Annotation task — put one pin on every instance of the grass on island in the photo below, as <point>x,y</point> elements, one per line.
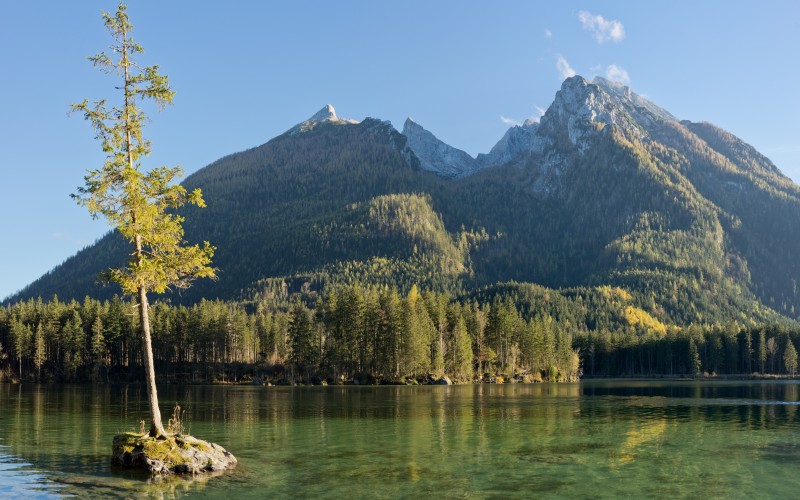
<point>174,452</point>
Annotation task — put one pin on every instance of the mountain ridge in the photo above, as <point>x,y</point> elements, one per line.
<point>607,189</point>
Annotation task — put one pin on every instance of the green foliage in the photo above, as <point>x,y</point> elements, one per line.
<point>353,332</point>
<point>139,204</point>
<point>305,345</point>
<point>790,357</point>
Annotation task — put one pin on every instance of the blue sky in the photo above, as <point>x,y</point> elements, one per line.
<point>247,71</point>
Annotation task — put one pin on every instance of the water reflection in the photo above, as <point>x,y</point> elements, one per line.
<point>629,438</point>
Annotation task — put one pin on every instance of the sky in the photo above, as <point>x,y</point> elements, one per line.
<point>246,71</point>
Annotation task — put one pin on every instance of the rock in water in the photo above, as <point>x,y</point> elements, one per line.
<point>179,454</point>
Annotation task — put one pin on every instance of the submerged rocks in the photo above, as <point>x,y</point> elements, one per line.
<point>179,454</point>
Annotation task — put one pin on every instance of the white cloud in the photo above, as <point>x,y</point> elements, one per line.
<point>617,74</point>
<point>509,121</point>
<point>548,34</point>
<point>539,112</point>
<point>602,29</point>
<point>563,67</point>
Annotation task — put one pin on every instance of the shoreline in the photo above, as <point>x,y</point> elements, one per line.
<point>418,382</point>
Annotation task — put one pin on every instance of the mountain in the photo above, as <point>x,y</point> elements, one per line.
<point>607,189</point>
<point>434,155</point>
<point>325,115</point>
<point>440,158</point>
<point>517,140</point>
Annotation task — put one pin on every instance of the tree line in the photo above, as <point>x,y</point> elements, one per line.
<point>367,335</point>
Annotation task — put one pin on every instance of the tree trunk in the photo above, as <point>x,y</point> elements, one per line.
<point>156,428</point>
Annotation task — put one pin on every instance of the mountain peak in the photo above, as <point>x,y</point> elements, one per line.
<point>410,124</point>
<point>581,103</point>
<point>576,107</point>
<point>434,155</point>
<point>517,141</point>
<point>636,104</point>
<point>611,84</point>
<point>325,115</point>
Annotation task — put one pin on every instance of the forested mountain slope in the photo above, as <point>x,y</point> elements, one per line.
<point>608,189</point>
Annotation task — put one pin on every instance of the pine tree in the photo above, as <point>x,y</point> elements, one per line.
<point>748,351</point>
<point>694,358</point>
<point>74,340</point>
<point>462,348</point>
<point>21,333</point>
<point>772,350</point>
<point>790,357</point>
<point>391,332</point>
<point>139,204</point>
<point>39,350</point>
<point>98,344</point>
<point>305,351</point>
<point>416,334</point>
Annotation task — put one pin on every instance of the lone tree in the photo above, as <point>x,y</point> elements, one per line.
<point>140,204</point>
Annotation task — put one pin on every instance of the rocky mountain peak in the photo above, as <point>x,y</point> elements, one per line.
<point>517,141</point>
<point>578,105</point>
<point>638,106</point>
<point>434,155</point>
<point>409,125</point>
<point>325,115</point>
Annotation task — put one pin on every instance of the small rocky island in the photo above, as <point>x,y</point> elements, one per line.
<point>169,454</point>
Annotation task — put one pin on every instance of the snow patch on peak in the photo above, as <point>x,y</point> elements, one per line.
<point>325,115</point>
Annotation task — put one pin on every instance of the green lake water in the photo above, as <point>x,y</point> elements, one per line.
<point>595,439</point>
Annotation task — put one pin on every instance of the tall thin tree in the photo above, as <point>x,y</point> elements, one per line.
<point>140,204</point>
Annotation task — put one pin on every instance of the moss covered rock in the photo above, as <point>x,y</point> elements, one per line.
<point>179,454</point>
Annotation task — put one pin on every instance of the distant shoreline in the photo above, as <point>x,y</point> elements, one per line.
<point>351,383</point>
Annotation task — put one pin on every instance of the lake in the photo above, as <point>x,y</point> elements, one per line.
<point>589,439</point>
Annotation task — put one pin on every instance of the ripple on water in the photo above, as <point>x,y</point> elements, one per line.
<point>19,480</point>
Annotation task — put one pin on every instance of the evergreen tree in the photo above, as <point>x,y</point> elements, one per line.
<point>21,334</point>
<point>391,332</point>
<point>772,351</point>
<point>98,342</point>
<point>790,357</point>
<point>140,205</point>
<point>39,350</point>
<point>305,351</point>
<point>747,352</point>
<point>74,343</point>
<point>694,358</point>
<point>416,333</point>
<point>462,352</point>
